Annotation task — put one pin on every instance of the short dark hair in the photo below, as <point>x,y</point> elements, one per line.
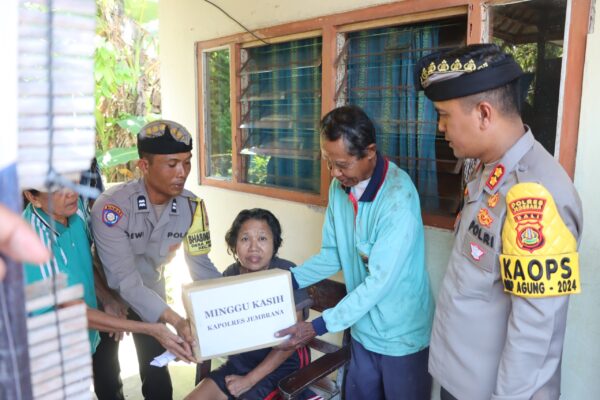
<point>506,98</point>
<point>353,125</point>
<point>259,214</point>
<point>147,156</point>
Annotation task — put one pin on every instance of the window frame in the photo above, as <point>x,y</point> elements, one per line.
<point>408,11</point>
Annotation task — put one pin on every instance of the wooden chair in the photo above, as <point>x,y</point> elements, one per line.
<point>316,375</point>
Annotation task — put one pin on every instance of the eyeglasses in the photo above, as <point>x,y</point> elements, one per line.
<point>340,165</point>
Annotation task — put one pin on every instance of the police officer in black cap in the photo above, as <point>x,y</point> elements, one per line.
<point>137,228</point>
<point>501,312</point>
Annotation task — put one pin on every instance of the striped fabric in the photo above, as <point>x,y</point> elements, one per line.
<point>70,246</point>
<point>48,236</point>
<point>381,80</point>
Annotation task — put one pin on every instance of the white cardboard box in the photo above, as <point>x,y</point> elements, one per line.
<point>235,314</point>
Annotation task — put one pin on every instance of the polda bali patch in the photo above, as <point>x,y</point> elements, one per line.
<point>111,214</point>
<point>528,213</point>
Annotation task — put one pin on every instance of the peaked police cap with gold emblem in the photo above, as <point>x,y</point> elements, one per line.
<point>446,75</point>
<point>164,137</point>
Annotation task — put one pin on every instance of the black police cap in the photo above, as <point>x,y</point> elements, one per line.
<point>446,75</point>
<point>164,137</point>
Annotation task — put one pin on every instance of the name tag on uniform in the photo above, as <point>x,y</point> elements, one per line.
<point>197,240</point>
<point>239,313</point>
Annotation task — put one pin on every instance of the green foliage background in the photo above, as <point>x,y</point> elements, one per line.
<point>127,90</point>
<point>219,113</point>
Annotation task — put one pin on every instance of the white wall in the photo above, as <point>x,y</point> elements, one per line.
<point>582,343</point>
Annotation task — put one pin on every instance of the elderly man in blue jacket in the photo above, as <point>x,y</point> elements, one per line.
<point>373,232</point>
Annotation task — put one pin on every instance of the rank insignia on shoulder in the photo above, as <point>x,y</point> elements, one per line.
<point>493,200</point>
<point>111,214</point>
<point>476,251</point>
<point>174,206</point>
<point>484,217</point>
<point>142,204</point>
<point>495,177</point>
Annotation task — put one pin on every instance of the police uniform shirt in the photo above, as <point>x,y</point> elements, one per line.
<point>134,244</point>
<point>487,343</point>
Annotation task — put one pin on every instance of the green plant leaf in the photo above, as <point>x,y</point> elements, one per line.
<point>142,11</point>
<point>117,156</point>
<point>132,123</point>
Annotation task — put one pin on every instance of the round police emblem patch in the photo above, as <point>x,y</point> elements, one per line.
<point>111,214</point>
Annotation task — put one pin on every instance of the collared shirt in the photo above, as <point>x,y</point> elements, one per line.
<point>72,256</point>
<point>358,189</point>
<point>134,244</point>
<point>487,344</point>
<point>378,243</point>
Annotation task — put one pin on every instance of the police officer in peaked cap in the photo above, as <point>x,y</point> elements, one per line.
<point>138,226</point>
<point>501,313</point>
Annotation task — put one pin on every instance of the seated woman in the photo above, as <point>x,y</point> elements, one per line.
<point>63,229</point>
<point>253,240</point>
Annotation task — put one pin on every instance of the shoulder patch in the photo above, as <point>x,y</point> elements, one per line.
<point>528,213</point>
<point>539,253</point>
<point>111,214</point>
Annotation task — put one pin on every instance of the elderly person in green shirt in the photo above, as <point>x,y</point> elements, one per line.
<point>373,233</point>
<point>59,220</point>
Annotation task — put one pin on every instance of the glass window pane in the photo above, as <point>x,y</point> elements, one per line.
<point>281,106</point>
<point>217,114</point>
<point>379,77</point>
<point>533,33</point>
